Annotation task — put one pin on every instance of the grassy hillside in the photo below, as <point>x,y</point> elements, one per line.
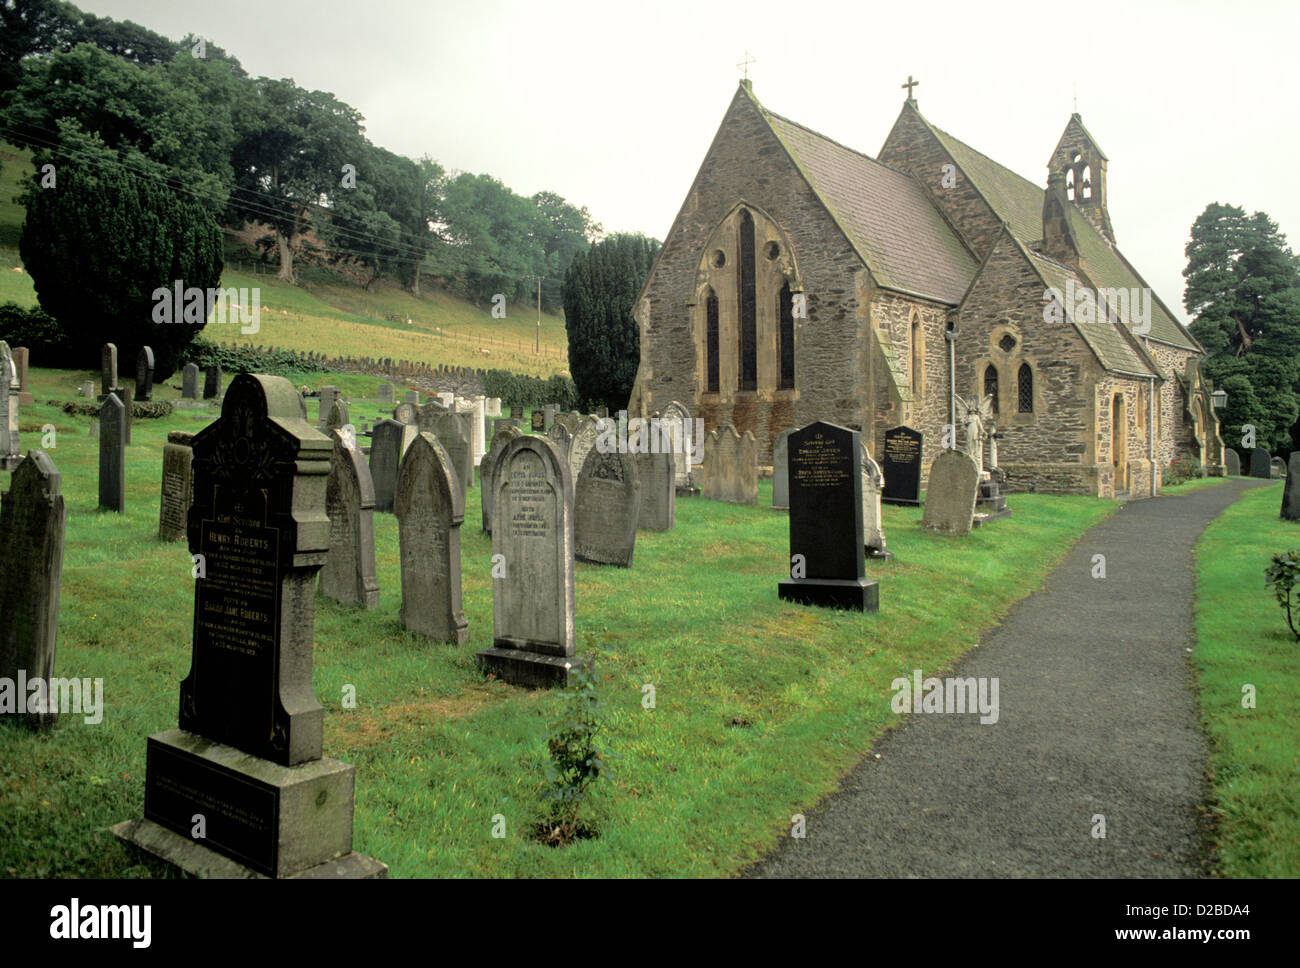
<point>326,315</point>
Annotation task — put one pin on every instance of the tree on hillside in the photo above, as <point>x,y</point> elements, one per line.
<point>600,292</point>
<point>97,248</point>
<point>1243,290</point>
<point>491,235</point>
<point>564,231</point>
<point>362,229</point>
<point>124,39</point>
<point>29,28</point>
<point>289,160</point>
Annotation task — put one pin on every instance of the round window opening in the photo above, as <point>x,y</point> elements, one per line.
<point>1007,342</point>
<point>773,251</point>
<point>719,258</point>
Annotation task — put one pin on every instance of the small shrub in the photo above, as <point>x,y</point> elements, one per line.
<point>1181,470</point>
<point>1281,574</point>
<point>576,761</point>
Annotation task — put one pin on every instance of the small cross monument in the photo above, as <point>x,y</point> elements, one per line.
<point>744,65</point>
<point>909,85</point>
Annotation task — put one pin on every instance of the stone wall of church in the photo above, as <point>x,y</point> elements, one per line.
<point>1054,447</point>
<point>746,163</point>
<point>1132,394</point>
<point>1176,432</point>
<point>913,148</point>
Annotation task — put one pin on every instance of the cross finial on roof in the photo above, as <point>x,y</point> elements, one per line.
<point>744,65</point>
<point>909,85</point>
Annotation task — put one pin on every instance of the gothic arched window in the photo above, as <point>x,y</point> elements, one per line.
<point>1069,184</point>
<point>785,310</point>
<point>748,337</point>
<point>918,357</point>
<point>1025,389</point>
<point>991,384</point>
<point>711,340</point>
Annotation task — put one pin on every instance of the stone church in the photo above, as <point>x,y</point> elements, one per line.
<point>803,280</point>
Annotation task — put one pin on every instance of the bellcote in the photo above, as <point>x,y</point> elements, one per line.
<point>1081,165</point>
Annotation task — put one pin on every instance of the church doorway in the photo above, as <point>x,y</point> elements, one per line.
<point>1119,444</point>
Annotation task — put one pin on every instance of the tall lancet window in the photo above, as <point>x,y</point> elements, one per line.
<point>991,385</point>
<point>748,342</point>
<point>785,307</point>
<point>1026,389</point>
<point>711,340</point>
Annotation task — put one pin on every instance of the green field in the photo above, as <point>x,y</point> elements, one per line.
<point>761,706</point>
<point>1242,640</point>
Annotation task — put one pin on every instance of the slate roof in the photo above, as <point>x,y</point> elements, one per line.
<point>1112,348</point>
<point>886,215</point>
<point>1019,203</point>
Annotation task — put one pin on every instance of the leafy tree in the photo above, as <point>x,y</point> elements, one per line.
<point>124,39</point>
<point>1243,288</point>
<point>600,291</point>
<point>362,228</point>
<point>490,231</point>
<point>564,230</point>
<point>97,247</point>
<point>29,28</point>
<point>289,159</point>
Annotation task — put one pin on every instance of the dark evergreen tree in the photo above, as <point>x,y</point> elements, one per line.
<point>601,287</point>
<point>98,246</point>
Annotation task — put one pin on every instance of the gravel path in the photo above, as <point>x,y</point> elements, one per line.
<point>1097,715</point>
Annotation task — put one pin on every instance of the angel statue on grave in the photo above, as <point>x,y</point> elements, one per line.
<point>977,415</point>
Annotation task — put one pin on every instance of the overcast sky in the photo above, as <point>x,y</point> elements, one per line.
<point>613,104</point>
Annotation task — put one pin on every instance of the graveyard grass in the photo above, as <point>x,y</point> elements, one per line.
<point>1242,638</point>
<point>761,706</point>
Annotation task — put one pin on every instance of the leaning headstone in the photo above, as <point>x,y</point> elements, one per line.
<point>144,374</point>
<point>327,397</point>
<point>486,467</point>
<point>212,382</point>
<point>430,507</point>
<point>177,486</point>
<point>453,432</point>
<point>22,357</point>
<point>190,382</point>
<point>107,369</point>
<point>337,417</point>
<point>407,414</point>
<point>1291,491</point>
<point>348,575</point>
<point>873,530</point>
<point>1231,462</point>
<point>32,520</point>
<point>10,456</point>
<point>950,497</point>
<point>606,502</point>
<point>1260,463</point>
<point>781,470</point>
<point>827,563</point>
<point>532,598</point>
<point>250,769</point>
<point>388,444</point>
<point>112,454</point>
<point>656,472</point>
<point>900,462</point>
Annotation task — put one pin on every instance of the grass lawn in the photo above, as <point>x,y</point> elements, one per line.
<point>1242,639</point>
<point>761,706</point>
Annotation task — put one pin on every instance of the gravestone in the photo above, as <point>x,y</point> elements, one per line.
<point>950,498</point>
<point>385,393</point>
<point>247,756</point>
<point>493,407</point>
<point>86,389</point>
<point>485,470</point>
<point>827,562</point>
<point>781,470</point>
<point>112,454</point>
<point>448,400</point>
<point>1291,490</point>
<point>212,382</point>
<point>532,597</point>
<point>32,521</point>
<point>602,413</point>
<point>453,432</point>
<point>731,466</point>
<point>538,422</point>
<point>348,575</point>
<point>558,434</point>
<point>413,397</point>
<point>1278,468</point>
<point>190,382</point>
<point>517,413</point>
<point>388,444</point>
<point>1260,463</point>
<point>900,463</point>
<point>1231,463</point>
<point>124,394</point>
<point>10,455</point>
<point>606,502</point>
<point>177,486</point>
<point>873,531</point>
<point>144,374</point>
<point>656,472</point>
<point>337,418</point>
<point>407,414</point>
<point>430,507</point>
<point>675,424</point>
<point>581,444</point>
<point>22,357</point>
<point>327,396</point>
<point>548,416</point>
<point>107,370</point>
<point>426,412</point>
<point>478,430</point>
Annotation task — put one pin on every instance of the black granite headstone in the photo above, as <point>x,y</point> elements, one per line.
<point>212,382</point>
<point>1261,464</point>
<point>144,374</point>
<point>900,462</point>
<point>539,422</point>
<point>827,562</point>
